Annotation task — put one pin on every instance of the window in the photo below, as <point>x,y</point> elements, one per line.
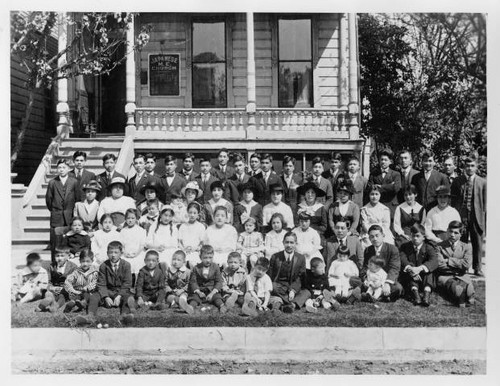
<point>295,63</point>
<point>209,64</point>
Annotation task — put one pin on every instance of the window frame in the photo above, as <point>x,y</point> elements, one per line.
<point>279,61</point>
<point>206,20</point>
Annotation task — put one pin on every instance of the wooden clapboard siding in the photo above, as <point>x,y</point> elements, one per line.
<point>42,125</point>
<point>326,66</point>
<point>263,62</point>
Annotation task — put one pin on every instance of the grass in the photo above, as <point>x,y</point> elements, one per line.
<point>402,313</point>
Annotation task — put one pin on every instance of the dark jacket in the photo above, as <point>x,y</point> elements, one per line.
<point>198,282</point>
<point>390,186</point>
<point>297,275</point>
<point>427,256</point>
<point>478,198</point>
<point>104,182</point>
<point>174,189</point>
<point>77,242</point>
<point>263,194</point>
<point>354,246</point>
<point>109,282</point>
<point>83,180</point>
<point>207,194</point>
<point>231,191</point>
<point>57,279</point>
<point>147,284</point>
<point>405,182</point>
<point>315,282</point>
<point>223,176</point>
<point>60,200</point>
<point>390,254</point>
<point>134,190</point>
<point>426,190</point>
<point>255,212</point>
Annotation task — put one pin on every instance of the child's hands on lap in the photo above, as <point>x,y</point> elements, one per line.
<point>117,301</point>
<point>201,294</point>
<point>140,302</point>
<point>178,292</point>
<point>108,301</point>
<point>210,296</point>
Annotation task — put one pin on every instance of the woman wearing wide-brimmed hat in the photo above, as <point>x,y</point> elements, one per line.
<point>116,204</point>
<point>151,191</point>
<point>87,209</point>
<point>190,193</point>
<point>246,208</point>
<point>344,208</point>
<point>439,217</point>
<point>314,207</point>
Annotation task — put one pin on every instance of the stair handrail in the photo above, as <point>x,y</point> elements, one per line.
<point>44,167</point>
<point>126,156</point>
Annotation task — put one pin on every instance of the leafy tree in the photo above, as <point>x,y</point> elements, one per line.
<point>91,49</point>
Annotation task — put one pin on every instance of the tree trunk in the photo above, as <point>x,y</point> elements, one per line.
<point>21,133</point>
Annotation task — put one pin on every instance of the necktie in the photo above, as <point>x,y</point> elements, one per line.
<point>384,173</point>
<point>453,247</point>
<point>78,175</point>
<point>137,179</point>
<point>266,176</point>
<point>468,194</point>
<point>109,176</point>
<point>115,267</point>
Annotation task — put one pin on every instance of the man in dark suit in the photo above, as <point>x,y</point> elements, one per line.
<point>287,271</point>
<point>232,192</point>
<point>290,182</point>
<point>335,171</point>
<point>339,238</point>
<point>205,179</point>
<point>392,289</point>
<point>109,163</point>
<point>387,180</point>
<point>469,198</point>
<point>449,167</point>
<point>60,200</point>
<point>172,182</point>
<point>407,173</point>
<point>114,282</point>
<point>188,167</point>
<point>82,175</point>
<point>254,164</point>
<point>263,180</point>
<point>418,263</point>
<point>139,180</point>
<point>359,182</point>
<point>427,180</point>
<point>324,184</point>
<point>151,166</point>
<point>223,171</point>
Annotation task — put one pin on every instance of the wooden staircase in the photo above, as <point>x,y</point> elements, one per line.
<point>35,235</point>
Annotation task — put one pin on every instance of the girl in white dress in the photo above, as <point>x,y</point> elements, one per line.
<point>133,238</point>
<point>163,235</point>
<point>308,239</point>
<point>274,238</point>
<point>221,236</point>
<point>101,239</point>
<point>375,213</point>
<point>191,235</point>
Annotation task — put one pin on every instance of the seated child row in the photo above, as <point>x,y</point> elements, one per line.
<point>282,284</point>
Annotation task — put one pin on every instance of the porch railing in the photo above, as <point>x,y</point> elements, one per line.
<point>290,123</point>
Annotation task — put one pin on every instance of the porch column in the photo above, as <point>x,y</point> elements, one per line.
<point>343,63</point>
<point>64,125</point>
<point>251,94</point>
<point>130,81</point>
<point>353,78</point>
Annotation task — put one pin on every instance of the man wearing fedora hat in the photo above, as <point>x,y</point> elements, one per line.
<point>87,209</point>
<point>277,206</point>
<point>116,204</point>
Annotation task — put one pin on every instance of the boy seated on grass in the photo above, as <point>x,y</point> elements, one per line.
<point>455,259</point>
<point>205,285</point>
<point>418,262</point>
<point>177,284</point>
<point>81,283</point>
<point>258,288</point>
<point>114,282</point>
<point>56,295</point>
<point>286,270</point>
<point>32,281</point>
<point>233,280</point>
<point>150,285</point>
<point>316,282</point>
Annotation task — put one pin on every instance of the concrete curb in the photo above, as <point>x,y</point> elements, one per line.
<point>283,339</point>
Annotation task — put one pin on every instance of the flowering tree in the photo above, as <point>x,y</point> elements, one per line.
<point>92,49</point>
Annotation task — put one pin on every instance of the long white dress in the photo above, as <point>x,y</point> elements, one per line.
<point>308,244</point>
<point>166,238</point>
<point>375,215</point>
<point>191,235</point>
<point>223,240</point>
<point>99,244</point>
<point>134,240</point>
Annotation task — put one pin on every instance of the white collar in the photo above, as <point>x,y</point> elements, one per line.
<point>71,233</point>
<point>314,207</point>
<point>181,269</point>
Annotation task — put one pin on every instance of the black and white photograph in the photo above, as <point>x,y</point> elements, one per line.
<point>241,189</point>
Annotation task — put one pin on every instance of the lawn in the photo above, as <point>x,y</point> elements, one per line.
<point>399,314</point>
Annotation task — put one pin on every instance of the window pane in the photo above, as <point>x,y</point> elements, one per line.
<point>295,84</point>
<point>295,39</point>
<point>209,85</point>
<point>208,42</point>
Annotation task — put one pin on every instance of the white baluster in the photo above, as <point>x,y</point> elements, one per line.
<point>301,121</point>
<point>276,120</point>
<point>261,123</point>
<point>156,126</point>
<point>179,121</point>
<point>217,121</point>
<point>200,121</point>
<point>140,123</point>
<point>233,121</point>
<point>187,115</point>
<point>332,121</point>
<point>241,127</point>
<point>210,121</point>
<point>342,122</point>
<point>224,121</point>
<point>285,119</point>
<point>163,125</point>
<point>294,120</point>
<point>148,120</point>
<point>171,124</point>
<point>269,125</point>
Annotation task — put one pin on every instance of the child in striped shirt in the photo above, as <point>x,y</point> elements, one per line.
<point>234,276</point>
<point>81,282</point>
<point>178,281</point>
<point>250,244</point>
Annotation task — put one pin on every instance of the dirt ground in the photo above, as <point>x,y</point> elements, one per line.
<point>138,366</point>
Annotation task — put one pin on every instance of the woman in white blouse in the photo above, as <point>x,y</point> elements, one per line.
<point>375,213</point>
<point>406,215</point>
<point>117,204</point>
<point>437,220</point>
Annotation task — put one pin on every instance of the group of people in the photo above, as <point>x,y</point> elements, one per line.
<point>236,235</point>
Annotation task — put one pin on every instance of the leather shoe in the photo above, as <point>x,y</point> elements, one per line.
<point>426,300</point>
<point>416,297</point>
<point>478,272</point>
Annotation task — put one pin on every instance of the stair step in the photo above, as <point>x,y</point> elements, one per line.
<point>39,206</point>
<point>39,217</point>
<point>40,241</point>
<point>37,230</point>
